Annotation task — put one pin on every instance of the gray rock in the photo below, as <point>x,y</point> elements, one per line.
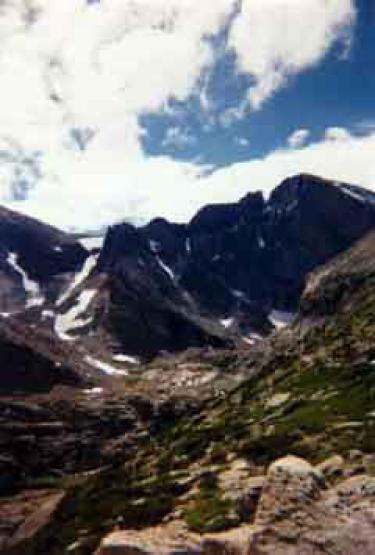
<point>247,501</point>
<point>332,467</point>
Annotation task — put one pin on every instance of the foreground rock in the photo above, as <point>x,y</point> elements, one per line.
<point>332,467</point>
<point>299,515</point>
<point>296,514</point>
<point>149,542</point>
<point>174,540</point>
<point>23,518</point>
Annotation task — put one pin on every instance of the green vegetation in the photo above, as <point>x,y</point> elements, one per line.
<point>209,512</point>
<point>313,397</point>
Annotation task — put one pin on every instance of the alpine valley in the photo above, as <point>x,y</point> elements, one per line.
<point>202,388</point>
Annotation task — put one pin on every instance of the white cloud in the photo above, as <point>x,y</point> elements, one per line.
<point>96,68</point>
<point>336,134</point>
<point>242,141</point>
<point>176,137</point>
<point>276,39</point>
<point>349,160</point>
<point>160,186</point>
<point>93,65</point>
<point>298,138</point>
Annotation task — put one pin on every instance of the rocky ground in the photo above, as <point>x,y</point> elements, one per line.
<point>294,508</point>
<point>281,461</point>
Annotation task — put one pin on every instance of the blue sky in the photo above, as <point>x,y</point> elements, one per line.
<point>131,109</point>
<point>337,92</point>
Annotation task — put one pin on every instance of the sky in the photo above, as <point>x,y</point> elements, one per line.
<point>117,110</point>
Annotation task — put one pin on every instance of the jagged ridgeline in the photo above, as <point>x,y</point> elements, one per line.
<point>227,279</point>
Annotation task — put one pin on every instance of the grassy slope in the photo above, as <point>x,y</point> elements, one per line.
<point>312,394</point>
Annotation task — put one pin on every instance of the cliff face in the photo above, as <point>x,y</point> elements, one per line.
<point>235,265</point>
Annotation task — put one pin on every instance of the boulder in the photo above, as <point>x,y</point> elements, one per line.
<point>297,514</point>
<point>165,541</point>
<point>332,468</point>
<point>357,488</point>
<point>355,455</point>
<point>153,541</point>
<point>291,485</point>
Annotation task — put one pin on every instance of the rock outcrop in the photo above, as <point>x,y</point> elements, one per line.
<point>299,514</point>
<point>296,513</point>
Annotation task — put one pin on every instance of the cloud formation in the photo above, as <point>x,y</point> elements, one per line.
<point>160,186</point>
<point>76,77</point>
<point>177,138</point>
<point>336,134</point>
<point>277,39</point>
<point>298,138</point>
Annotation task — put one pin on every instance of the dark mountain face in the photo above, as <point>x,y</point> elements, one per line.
<point>147,311</point>
<point>226,277</point>
<point>257,252</point>
<point>233,264</point>
<point>43,251</point>
<point>25,370</point>
<point>33,256</point>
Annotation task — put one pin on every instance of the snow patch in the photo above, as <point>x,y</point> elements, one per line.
<point>91,243</point>
<point>227,322</point>
<point>249,340</point>
<point>188,245</point>
<point>105,367</point>
<point>5,314</point>
<point>125,358</point>
<point>57,248</point>
<point>252,339</point>
<point>351,193</point>
<point>31,288</point>
<point>71,319</point>
<point>93,391</point>
<point>238,294</point>
<point>166,268</point>
<point>280,319</point>
<point>47,314</point>
<point>84,273</point>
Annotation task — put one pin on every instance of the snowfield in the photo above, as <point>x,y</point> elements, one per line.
<point>72,319</point>
<point>31,288</point>
<point>84,273</point>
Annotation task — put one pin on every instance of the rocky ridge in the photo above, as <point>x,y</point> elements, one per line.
<point>226,279</point>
